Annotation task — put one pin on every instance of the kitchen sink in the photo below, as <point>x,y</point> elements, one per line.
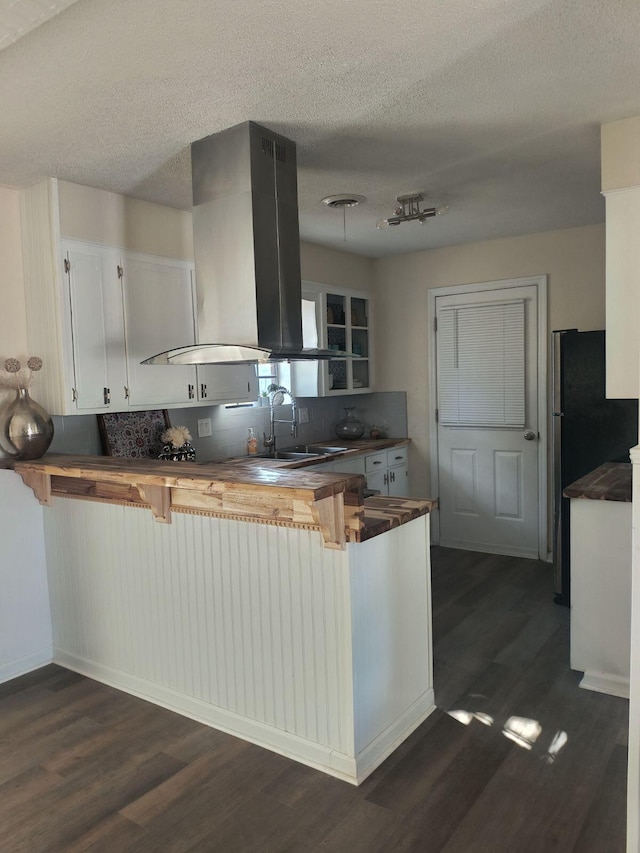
<point>314,449</point>
<point>291,455</point>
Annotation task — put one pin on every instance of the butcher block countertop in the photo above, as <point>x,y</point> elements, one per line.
<point>264,491</point>
<point>354,448</point>
<point>609,482</point>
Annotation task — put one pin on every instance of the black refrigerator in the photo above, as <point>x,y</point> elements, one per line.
<point>588,430</point>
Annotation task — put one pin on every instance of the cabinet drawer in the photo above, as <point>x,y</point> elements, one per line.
<point>375,461</point>
<point>350,466</point>
<point>396,456</point>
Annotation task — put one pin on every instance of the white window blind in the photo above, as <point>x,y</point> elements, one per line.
<point>481,380</point>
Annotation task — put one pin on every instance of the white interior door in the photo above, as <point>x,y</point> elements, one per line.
<point>488,439</point>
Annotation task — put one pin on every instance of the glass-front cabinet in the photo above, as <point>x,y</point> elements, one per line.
<point>338,320</point>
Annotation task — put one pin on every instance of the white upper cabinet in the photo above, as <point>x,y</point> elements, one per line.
<point>97,330</point>
<point>333,318</point>
<point>227,383</point>
<point>158,315</point>
<point>95,312</point>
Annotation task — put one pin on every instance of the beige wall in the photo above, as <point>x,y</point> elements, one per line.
<point>339,269</point>
<point>620,154</point>
<point>13,326</point>
<point>116,220</point>
<point>572,258</point>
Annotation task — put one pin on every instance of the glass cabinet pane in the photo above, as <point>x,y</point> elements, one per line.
<point>336,310</point>
<point>337,374</point>
<point>359,313</point>
<point>360,342</point>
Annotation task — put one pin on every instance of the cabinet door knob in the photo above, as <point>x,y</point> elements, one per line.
<point>105,396</point>
<point>377,462</point>
<point>203,390</point>
<point>190,390</point>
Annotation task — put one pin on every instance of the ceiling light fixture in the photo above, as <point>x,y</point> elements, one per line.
<point>409,210</point>
<point>341,202</point>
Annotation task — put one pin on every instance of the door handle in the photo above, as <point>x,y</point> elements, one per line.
<point>529,435</point>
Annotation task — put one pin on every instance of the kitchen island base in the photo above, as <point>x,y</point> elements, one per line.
<point>320,654</point>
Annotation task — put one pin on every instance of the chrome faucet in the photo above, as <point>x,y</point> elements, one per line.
<point>277,399</point>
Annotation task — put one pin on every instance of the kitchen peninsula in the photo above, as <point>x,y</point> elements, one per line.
<point>276,604</point>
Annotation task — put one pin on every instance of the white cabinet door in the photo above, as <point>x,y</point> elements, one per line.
<point>398,472</point>
<point>377,482</point>
<point>227,383</point>
<point>336,319</point>
<point>159,315</point>
<point>97,329</point>
<point>398,480</point>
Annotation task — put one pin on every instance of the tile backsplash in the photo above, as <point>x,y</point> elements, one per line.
<point>230,425</point>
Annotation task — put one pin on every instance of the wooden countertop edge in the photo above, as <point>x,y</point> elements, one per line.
<point>382,513</point>
<point>608,482</point>
<point>184,475</point>
<point>334,502</point>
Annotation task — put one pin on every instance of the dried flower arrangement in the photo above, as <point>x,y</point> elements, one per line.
<point>176,445</point>
<point>177,436</point>
<point>17,378</point>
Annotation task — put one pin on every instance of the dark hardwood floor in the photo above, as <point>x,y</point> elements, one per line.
<point>85,767</point>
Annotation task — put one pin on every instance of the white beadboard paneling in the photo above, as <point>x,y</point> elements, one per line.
<point>390,609</point>
<point>25,621</point>
<point>320,654</point>
<point>242,616</point>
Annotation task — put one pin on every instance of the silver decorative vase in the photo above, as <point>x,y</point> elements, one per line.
<point>26,429</point>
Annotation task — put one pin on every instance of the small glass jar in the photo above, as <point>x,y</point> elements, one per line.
<point>350,426</point>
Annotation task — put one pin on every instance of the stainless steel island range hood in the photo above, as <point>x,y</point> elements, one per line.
<point>247,251</point>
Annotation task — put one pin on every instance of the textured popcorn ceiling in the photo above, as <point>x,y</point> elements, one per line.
<point>493,106</point>
<point>18,17</point>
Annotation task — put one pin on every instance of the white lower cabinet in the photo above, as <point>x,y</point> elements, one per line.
<point>386,471</point>
<point>398,472</point>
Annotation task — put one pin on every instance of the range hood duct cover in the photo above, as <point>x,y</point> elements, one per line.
<point>247,250</point>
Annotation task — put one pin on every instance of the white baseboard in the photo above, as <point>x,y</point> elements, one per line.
<point>20,666</point>
<point>604,682</point>
<point>318,756</point>
<point>482,548</point>
<point>375,753</point>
